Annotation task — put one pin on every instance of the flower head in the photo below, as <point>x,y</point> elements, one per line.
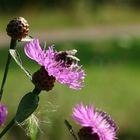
<point>17,28</point>
<point>97,125</point>
<point>61,65</point>
<point>3,113</point>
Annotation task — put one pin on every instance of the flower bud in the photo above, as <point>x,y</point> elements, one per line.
<point>42,80</point>
<point>17,28</point>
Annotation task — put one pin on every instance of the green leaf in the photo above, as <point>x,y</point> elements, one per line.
<point>27,38</point>
<point>27,106</point>
<point>17,59</point>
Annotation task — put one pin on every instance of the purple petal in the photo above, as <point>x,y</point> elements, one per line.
<point>3,113</point>
<point>33,51</point>
<point>99,121</point>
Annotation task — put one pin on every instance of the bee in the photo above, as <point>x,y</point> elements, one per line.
<point>67,57</point>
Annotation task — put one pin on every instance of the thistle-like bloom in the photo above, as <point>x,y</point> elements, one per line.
<point>97,125</point>
<point>3,113</point>
<point>61,65</point>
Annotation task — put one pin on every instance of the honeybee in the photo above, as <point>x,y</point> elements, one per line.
<point>68,57</point>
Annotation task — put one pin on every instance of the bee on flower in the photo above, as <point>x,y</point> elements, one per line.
<point>61,66</point>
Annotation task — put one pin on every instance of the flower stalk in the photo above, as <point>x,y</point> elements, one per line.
<point>68,125</point>
<point>11,123</point>
<point>12,46</point>
<point>17,29</point>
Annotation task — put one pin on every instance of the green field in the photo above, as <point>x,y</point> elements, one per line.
<point>112,84</point>
<point>40,19</point>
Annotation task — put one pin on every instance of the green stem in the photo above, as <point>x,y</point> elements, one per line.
<point>12,46</point>
<point>69,126</point>
<point>36,91</point>
<point>34,135</point>
<point>11,123</point>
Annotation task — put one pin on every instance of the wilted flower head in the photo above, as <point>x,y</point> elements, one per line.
<point>97,125</point>
<point>3,113</point>
<point>61,65</point>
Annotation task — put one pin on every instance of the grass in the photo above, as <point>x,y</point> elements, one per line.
<point>112,84</point>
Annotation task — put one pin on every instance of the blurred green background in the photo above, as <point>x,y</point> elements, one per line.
<point>106,34</point>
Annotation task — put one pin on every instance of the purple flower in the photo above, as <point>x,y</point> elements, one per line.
<point>62,65</point>
<point>3,113</point>
<point>97,125</point>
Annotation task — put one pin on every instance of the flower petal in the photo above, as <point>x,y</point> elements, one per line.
<point>33,51</point>
<point>99,121</point>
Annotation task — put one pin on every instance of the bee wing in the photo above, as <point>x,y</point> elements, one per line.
<point>73,57</point>
<point>72,52</point>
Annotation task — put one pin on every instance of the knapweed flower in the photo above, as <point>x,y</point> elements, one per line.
<point>96,125</point>
<point>3,113</point>
<point>61,65</point>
